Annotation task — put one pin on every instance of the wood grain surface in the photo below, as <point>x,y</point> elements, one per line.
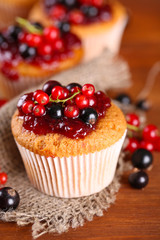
<point>136,213</point>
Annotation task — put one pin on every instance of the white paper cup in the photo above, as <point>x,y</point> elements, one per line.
<point>71,177</point>
<point>94,45</point>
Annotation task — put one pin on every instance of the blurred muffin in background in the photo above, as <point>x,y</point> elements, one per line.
<point>9,9</point>
<point>99,24</point>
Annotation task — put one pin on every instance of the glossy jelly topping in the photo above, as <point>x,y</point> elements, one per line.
<point>72,111</point>
<point>33,44</point>
<point>78,11</point>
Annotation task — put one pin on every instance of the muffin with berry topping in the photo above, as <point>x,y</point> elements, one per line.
<point>10,9</point>
<point>31,53</point>
<point>99,24</point>
<point>69,138</point>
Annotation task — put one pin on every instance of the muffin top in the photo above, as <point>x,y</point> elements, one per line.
<point>81,122</point>
<point>30,49</point>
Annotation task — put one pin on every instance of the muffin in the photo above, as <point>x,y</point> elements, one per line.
<point>30,54</point>
<point>69,142</point>
<point>9,9</point>
<point>98,24</point>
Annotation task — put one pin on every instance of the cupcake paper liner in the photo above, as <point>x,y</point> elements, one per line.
<point>71,177</point>
<point>94,45</point>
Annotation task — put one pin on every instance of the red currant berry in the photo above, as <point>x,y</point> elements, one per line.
<point>58,12</point>
<point>132,145</point>
<point>45,49</point>
<point>92,101</point>
<point>71,111</point>
<point>39,110</point>
<point>97,3</point>
<point>3,178</point>
<point>33,40</point>
<point>2,102</point>
<point>147,145</point>
<point>36,93</point>
<point>51,34</point>
<point>150,132</point>
<point>76,17</point>
<point>58,45</point>
<point>82,101</point>
<point>133,119</point>
<point>22,37</point>
<point>27,107</point>
<point>157,144</point>
<point>75,90</point>
<point>42,98</point>
<point>57,92</point>
<point>88,90</point>
<point>65,93</point>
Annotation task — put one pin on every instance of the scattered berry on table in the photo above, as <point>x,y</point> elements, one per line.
<point>3,178</point>
<point>132,145</point>
<point>133,119</point>
<point>143,105</point>
<point>123,98</point>
<point>138,179</point>
<point>150,132</point>
<point>147,145</point>
<point>9,199</point>
<point>142,158</point>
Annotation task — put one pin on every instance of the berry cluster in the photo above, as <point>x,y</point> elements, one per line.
<point>78,12</point>
<point>140,147</point>
<point>74,107</point>
<point>33,43</point>
<point>9,199</point>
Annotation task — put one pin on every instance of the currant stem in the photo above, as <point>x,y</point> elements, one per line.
<point>134,128</point>
<point>28,26</point>
<point>64,100</point>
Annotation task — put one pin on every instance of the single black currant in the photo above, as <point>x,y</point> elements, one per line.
<point>142,158</point>
<point>9,199</point>
<point>143,105</point>
<point>89,115</point>
<point>72,85</point>
<point>55,110</point>
<point>47,87</point>
<point>38,25</point>
<point>50,3</point>
<point>13,32</point>
<point>123,98</point>
<point>26,51</point>
<point>138,179</point>
<point>64,27</point>
<point>89,11</point>
<point>2,39</point>
<point>70,3</point>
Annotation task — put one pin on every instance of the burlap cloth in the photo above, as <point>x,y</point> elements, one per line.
<point>50,214</point>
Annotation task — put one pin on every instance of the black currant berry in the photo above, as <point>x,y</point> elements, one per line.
<point>123,98</point>
<point>38,25</point>
<point>26,51</point>
<point>138,179</point>
<point>72,85</point>
<point>13,32</point>
<point>89,11</point>
<point>142,158</point>
<point>89,115</point>
<point>2,39</point>
<point>143,105</point>
<point>64,27</point>
<point>55,110</point>
<point>48,86</point>
<point>70,3</point>
<point>9,199</point>
<point>50,3</point>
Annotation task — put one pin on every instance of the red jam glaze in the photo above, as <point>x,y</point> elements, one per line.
<point>72,128</point>
<point>9,56</point>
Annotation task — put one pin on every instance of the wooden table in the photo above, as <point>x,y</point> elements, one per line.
<point>136,213</point>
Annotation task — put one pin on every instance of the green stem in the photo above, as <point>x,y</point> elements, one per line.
<point>64,100</point>
<point>131,127</point>
<point>28,26</point>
